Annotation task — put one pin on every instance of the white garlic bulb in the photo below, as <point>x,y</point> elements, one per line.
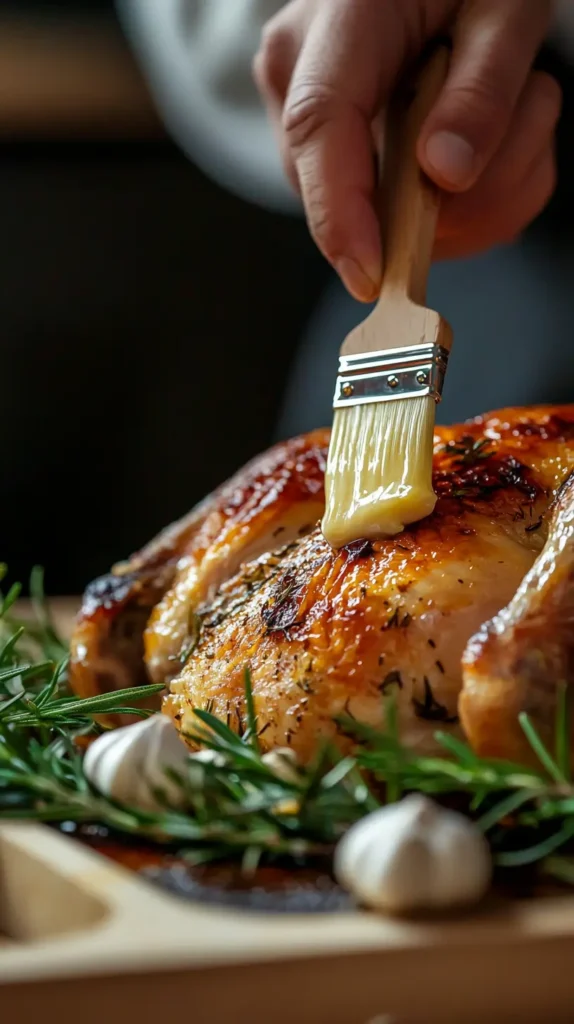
<point>283,763</point>
<point>414,855</point>
<point>128,764</point>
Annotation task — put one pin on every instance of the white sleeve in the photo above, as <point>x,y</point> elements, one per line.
<point>196,56</point>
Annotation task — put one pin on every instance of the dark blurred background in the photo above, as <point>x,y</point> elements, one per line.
<point>148,319</point>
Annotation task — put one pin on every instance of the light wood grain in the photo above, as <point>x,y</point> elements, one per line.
<point>76,930</point>
<point>77,79</point>
<point>119,950</point>
<point>408,206</point>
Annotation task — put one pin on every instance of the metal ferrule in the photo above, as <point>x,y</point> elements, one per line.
<point>394,373</point>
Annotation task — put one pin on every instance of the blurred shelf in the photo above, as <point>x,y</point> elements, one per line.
<point>70,78</point>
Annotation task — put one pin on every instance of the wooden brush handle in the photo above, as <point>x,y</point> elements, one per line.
<point>408,206</point>
<point>408,201</point>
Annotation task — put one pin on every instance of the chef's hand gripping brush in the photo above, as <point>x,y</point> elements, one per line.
<point>392,366</point>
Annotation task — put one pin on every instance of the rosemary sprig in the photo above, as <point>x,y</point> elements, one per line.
<point>528,814</point>
<point>239,808</point>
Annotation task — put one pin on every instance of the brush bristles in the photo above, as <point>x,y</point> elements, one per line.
<point>379,469</point>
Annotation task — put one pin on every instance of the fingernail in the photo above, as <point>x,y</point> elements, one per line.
<point>359,283</point>
<point>452,157</point>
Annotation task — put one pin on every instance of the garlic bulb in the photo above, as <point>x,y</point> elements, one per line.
<point>414,855</point>
<point>283,763</point>
<point>128,764</point>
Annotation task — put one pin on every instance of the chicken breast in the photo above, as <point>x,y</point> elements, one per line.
<point>249,581</point>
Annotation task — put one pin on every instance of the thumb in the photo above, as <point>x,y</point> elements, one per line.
<point>494,47</point>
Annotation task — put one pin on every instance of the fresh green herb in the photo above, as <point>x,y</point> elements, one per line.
<point>429,707</point>
<point>251,736</point>
<point>528,813</point>
<point>468,451</point>
<point>193,638</point>
<point>240,808</point>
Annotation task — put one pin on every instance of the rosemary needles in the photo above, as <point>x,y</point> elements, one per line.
<point>242,808</point>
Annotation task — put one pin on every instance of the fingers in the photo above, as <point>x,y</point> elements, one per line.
<point>325,70</point>
<point>478,236</point>
<point>495,43</point>
<point>517,183</point>
<point>332,99</point>
<point>273,67</point>
<point>349,53</point>
<point>334,163</point>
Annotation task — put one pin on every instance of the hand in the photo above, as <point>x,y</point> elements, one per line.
<point>325,69</point>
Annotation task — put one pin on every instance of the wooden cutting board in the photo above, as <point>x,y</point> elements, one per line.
<point>81,935</point>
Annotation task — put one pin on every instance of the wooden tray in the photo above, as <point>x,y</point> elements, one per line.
<point>80,934</point>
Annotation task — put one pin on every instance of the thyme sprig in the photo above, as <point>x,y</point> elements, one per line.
<point>239,807</point>
<point>468,450</point>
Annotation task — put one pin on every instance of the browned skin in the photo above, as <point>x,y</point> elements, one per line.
<point>519,660</point>
<point>107,647</point>
<point>106,650</point>
<point>326,632</point>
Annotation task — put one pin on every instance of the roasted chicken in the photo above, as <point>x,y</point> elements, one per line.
<point>248,580</point>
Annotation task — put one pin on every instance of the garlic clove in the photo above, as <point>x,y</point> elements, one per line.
<point>463,864</point>
<point>353,851</point>
<point>129,764</point>
<point>103,760</point>
<point>129,782</point>
<point>95,753</point>
<point>283,763</point>
<point>166,750</point>
<point>414,855</point>
<point>381,864</point>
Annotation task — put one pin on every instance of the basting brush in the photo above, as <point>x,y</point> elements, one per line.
<point>392,366</point>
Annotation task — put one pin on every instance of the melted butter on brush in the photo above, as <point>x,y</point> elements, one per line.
<point>379,470</point>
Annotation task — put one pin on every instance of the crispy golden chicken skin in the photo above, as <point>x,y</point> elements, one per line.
<point>519,661</point>
<point>248,580</point>
<point>274,497</point>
